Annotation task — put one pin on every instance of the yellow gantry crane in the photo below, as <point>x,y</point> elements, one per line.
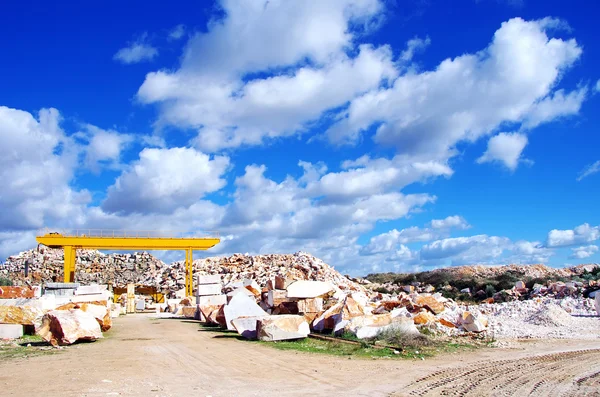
<point>73,240</point>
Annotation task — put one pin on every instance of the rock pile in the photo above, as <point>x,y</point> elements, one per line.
<point>94,267</point>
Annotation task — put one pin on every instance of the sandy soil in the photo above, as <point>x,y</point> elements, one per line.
<point>143,356</point>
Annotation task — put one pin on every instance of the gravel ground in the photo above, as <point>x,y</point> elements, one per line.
<point>566,318</point>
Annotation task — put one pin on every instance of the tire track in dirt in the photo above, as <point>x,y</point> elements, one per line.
<point>574,373</point>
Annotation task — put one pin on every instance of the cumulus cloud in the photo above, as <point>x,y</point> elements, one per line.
<point>589,170</point>
<point>463,250</point>
<point>454,221</point>
<point>163,180</point>
<point>36,169</point>
<point>597,86</point>
<point>469,96</point>
<point>505,148</point>
<point>581,234</point>
<point>177,32</point>
<point>135,52</point>
<point>103,148</point>
<point>413,46</point>
<point>584,252</point>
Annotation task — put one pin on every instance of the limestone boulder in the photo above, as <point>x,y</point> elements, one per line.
<point>429,303</point>
<point>472,323</point>
<point>597,303</point>
<point>241,305</point>
<point>21,311</point>
<point>65,327</point>
<point>101,313</point>
<point>309,289</point>
<point>284,327</point>
<point>207,310</point>
<point>247,326</point>
<point>424,317</point>
<point>326,320</point>
<point>402,325</point>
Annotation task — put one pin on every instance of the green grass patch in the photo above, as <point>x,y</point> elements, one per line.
<point>25,347</point>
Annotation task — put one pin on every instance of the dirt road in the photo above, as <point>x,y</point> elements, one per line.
<point>142,356</point>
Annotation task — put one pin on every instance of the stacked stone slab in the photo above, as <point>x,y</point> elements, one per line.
<point>209,294</point>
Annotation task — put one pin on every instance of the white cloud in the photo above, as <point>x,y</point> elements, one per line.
<point>103,147</point>
<point>455,221</point>
<point>390,241</point>
<point>163,180</point>
<point>597,86</point>
<point>368,176</point>
<point>529,252</point>
<point>135,52</point>
<point>230,113</point>
<point>584,251</point>
<point>469,96</point>
<point>589,170</point>
<point>505,148</point>
<point>463,250</point>
<point>581,234</point>
<point>36,168</point>
<point>413,46</point>
<point>177,32</point>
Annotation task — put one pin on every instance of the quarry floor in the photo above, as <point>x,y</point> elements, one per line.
<point>144,356</point>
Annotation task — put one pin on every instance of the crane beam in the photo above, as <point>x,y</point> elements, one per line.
<point>119,240</point>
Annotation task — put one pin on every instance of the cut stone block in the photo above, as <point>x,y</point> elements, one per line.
<point>61,285</point>
<point>140,305</point>
<point>11,331</point>
<point>309,289</point>
<point>241,306</point>
<point>16,292</point>
<point>209,289</point>
<point>246,326</point>
<point>213,300</point>
<point>189,311</point>
<point>274,328</point>
<point>209,279</point>
<point>252,286</point>
<point>64,327</point>
<point>276,297</point>
<point>313,305</point>
<point>282,282</point>
<point>20,311</point>
<point>90,289</point>
<point>403,325</point>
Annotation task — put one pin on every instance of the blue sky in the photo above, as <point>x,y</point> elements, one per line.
<point>380,136</point>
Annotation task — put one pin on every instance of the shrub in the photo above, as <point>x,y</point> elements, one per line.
<point>490,290</point>
<point>5,282</point>
<point>400,338</point>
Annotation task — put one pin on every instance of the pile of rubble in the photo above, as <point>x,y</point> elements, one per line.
<point>526,271</point>
<point>94,267</point>
<point>286,308</point>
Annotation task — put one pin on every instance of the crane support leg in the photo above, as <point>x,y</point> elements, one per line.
<point>189,276</point>
<point>69,267</point>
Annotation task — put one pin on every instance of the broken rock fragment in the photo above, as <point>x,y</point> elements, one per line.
<point>283,327</point>
<point>64,327</point>
<point>100,313</point>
